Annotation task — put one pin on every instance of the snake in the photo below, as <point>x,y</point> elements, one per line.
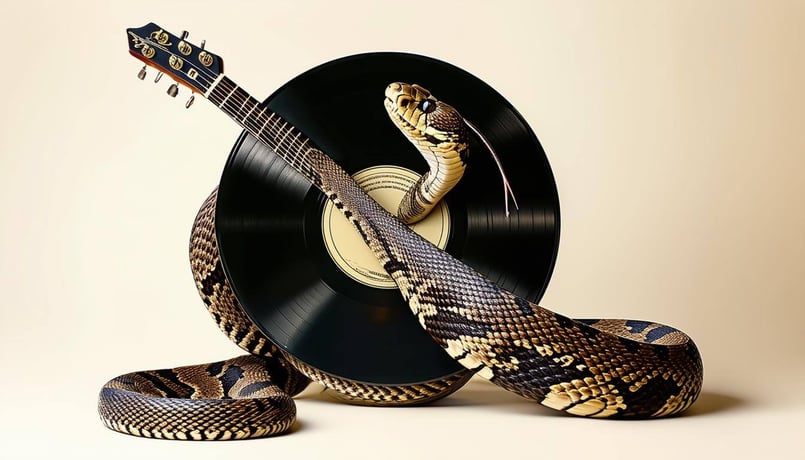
<point>602,368</point>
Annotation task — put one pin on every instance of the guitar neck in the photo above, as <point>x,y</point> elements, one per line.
<point>267,126</point>
<point>202,72</point>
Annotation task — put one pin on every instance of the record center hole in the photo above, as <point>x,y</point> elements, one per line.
<point>387,185</point>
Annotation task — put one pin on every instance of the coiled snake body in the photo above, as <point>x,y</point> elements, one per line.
<point>597,368</point>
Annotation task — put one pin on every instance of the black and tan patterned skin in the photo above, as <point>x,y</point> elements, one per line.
<point>248,396</point>
<point>596,368</point>
<point>233,399</point>
<point>215,290</point>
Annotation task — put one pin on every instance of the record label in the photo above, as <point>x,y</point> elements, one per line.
<point>387,185</point>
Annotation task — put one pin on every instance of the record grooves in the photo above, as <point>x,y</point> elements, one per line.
<point>269,219</point>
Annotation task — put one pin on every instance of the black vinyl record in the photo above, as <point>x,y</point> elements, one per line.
<point>269,220</point>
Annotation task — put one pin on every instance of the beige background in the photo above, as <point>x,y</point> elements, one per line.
<point>675,130</point>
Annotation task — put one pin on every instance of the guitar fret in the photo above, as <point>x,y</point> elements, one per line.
<point>253,102</point>
<point>286,133</point>
<point>282,139</point>
<point>276,122</point>
<point>243,104</point>
<point>294,141</point>
<point>221,105</point>
<point>257,118</point>
<point>213,85</point>
<point>214,96</point>
<point>274,127</point>
<point>276,132</point>
<point>253,122</point>
<point>262,128</point>
<point>304,142</point>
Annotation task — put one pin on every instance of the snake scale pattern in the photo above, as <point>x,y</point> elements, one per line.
<point>596,368</point>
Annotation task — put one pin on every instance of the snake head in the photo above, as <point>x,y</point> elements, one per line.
<point>437,127</point>
<point>422,117</point>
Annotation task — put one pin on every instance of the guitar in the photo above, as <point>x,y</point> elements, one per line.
<point>479,324</point>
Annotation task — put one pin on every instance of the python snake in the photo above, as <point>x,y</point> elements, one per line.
<point>597,368</point>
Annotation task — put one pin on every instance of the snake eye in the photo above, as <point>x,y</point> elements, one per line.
<point>427,106</point>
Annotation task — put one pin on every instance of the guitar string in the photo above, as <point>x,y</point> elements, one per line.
<point>288,147</point>
<point>294,148</point>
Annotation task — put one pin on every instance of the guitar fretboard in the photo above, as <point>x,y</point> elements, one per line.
<point>255,117</point>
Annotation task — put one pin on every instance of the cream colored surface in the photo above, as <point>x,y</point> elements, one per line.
<point>675,130</point>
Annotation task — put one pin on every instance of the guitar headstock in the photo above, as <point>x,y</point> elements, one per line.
<point>188,64</point>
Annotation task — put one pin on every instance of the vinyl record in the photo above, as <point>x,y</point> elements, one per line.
<point>293,267</point>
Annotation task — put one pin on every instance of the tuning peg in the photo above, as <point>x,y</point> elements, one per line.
<point>173,90</point>
<point>190,101</point>
<point>159,75</point>
<point>141,73</point>
<point>184,34</point>
<point>203,42</point>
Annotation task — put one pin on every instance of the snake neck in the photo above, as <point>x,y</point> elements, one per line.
<point>446,170</point>
<point>438,131</point>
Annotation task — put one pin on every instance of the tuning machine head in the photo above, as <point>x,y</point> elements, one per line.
<point>173,55</point>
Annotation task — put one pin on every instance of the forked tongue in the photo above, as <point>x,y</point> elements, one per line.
<point>507,189</point>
